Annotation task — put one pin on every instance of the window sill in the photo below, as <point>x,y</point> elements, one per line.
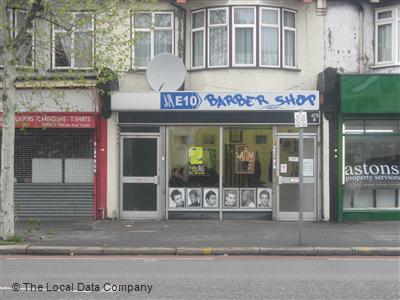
<point>388,65</point>
<point>246,68</point>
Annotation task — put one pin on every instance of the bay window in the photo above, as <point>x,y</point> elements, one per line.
<point>387,23</point>
<point>218,37</point>
<point>269,37</point>
<point>289,38</point>
<point>244,20</point>
<point>73,43</point>
<point>153,35</point>
<point>198,39</point>
<point>244,36</point>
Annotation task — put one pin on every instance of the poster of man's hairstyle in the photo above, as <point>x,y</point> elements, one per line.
<point>247,198</point>
<point>177,198</point>
<point>244,160</point>
<point>193,197</point>
<point>210,198</point>
<point>231,198</point>
<point>264,198</point>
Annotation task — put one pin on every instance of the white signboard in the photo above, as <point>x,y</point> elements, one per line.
<point>300,119</point>
<point>216,101</point>
<point>308,167</point>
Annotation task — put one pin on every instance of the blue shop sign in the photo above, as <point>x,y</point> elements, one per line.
<point>282,101</point>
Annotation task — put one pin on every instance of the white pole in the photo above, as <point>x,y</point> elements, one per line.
<point>301,185</point>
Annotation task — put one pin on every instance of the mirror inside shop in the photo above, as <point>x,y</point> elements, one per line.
<point>195,165</point>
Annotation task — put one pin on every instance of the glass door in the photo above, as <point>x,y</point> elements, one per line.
<point>288,178</point>
<point>140,183</point>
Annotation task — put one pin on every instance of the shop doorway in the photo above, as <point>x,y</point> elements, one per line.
<point>140,176</point>
<point>288,177</point>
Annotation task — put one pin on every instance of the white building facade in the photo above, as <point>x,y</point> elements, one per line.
<point>225,145</point>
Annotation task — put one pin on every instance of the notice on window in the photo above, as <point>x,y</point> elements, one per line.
<point>308,167</point>
<point>196,155</point>
<point>283,168</point>
<point>293,158</point>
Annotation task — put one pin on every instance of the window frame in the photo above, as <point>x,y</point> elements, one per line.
<point>13,21</point>
<point>286,28</point>
<point>278,26</point>
<point>394,22</point>
<point>253,26</point>
<point>225,25</point>
<point>205,18</point>
<point>72,35</point>
<point>152,29</point>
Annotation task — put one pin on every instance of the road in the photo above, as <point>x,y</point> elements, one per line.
<point>218,277</point>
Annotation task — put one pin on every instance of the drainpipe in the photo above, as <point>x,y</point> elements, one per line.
<point>183,10</point>
<point>361,38</point>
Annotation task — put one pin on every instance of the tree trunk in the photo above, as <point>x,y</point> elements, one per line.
<point>7,145</point>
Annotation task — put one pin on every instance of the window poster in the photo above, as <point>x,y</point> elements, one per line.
<point>244,163</point>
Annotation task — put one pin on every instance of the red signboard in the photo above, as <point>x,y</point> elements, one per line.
<point>53,120</point>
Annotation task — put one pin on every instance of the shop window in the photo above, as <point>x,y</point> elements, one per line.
<point>387,28</point>
<point>372,164</point>
<point>247,167</point>
<point>53,156</point>
<point>25,52</point>
<point>153,35</point>
<point>46,170</point>
<point>193,167</point>
<point>73,43</point>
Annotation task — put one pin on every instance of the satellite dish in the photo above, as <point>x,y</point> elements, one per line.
<point>165,72</point>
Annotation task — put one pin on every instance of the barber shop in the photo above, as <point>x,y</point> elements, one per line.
<point>214,155</point>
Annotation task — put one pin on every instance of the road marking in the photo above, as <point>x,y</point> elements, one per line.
<point>369,259</point>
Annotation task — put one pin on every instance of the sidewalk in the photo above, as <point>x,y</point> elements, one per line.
<point>207,236</point>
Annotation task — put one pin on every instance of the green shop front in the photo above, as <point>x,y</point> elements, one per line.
<point>369,143</point>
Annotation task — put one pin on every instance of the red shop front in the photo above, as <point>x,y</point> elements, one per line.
<point>60,165</point>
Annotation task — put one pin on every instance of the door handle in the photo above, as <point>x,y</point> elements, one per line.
<point>279,179</point>
<point>156,179</point>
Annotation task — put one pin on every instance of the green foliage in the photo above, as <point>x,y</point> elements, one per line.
<point>15,239</point>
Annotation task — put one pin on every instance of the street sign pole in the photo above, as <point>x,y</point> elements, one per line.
<point>300,120</point>
<point>301,185</point>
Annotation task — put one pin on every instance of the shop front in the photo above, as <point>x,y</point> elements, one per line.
<point>370,143</point>
<point>54,165</point>
<point>216,155</point>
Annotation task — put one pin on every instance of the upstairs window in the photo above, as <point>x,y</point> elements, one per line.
<point>218,37</point>
<point>244,36</point>
<point>73,42</point>
<point>244,30</point>
<point>25,51</point>
<point>387,23</point>
<point>289,38</point>
<point>269,37</point>
<point>153,34</point>
<point>198,39</point>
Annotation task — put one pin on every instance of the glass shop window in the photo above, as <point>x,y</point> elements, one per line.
<point>372,164</point>
<point>193,167</point>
